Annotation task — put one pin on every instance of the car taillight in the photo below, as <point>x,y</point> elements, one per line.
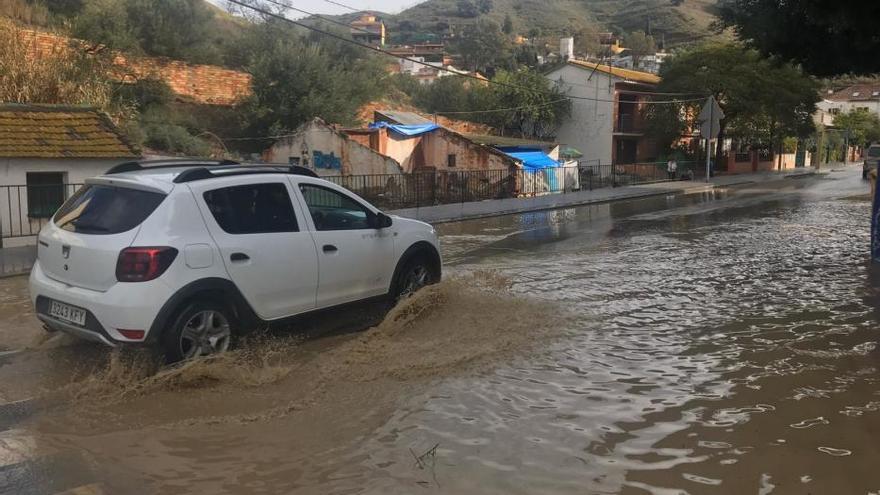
<point>140,264</point>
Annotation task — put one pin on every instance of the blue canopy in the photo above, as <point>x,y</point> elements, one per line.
<point>533,159</point>
<point>406,130</point>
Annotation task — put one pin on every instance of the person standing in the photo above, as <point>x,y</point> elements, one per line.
<point>671,168</point>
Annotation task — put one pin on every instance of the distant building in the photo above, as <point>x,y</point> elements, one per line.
<point>645,63</point>
<point>566,48</point>
<point>606,122</point>
<point>865,97</point>
<point>368,29</point>
<point>389,147</point>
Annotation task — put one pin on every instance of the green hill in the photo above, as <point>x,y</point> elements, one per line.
<point>687,20</point>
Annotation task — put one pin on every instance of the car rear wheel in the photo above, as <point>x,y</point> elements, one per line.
<point>200,329</point>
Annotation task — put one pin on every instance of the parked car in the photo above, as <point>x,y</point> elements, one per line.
<point>872,157</point>
<point>186,254</point>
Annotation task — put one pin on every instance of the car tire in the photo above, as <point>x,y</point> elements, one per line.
<point>200,328</point>
<point>415,274</point>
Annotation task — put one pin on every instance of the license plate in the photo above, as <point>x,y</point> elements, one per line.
<point>67,313</point>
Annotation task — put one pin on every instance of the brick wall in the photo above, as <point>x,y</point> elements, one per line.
<point>207,84</point>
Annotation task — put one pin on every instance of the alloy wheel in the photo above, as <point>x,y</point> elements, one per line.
<point>206,332</point>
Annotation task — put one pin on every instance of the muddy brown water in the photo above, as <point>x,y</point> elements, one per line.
<point>715,343</point>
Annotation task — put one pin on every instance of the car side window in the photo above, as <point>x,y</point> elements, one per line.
<point>252,209</point>
<point>332,210</point>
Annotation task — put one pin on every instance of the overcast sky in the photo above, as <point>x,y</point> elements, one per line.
<point>325,7</point>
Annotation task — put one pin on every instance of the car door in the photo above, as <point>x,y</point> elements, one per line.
<point>354,258</point>
<point>265,246</point>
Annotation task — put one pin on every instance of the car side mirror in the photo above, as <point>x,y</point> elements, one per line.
<point>382,221</point>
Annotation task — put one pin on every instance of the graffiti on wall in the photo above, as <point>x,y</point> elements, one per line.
<point>328,161</point>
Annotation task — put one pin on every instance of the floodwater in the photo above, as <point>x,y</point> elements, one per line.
<point>721,342</point>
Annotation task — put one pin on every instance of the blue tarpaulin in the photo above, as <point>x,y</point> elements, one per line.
<point>533,159</point>
<point>406,130</point>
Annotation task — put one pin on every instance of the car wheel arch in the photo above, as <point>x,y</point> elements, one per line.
<point>420,248</point>
<point>212,289</point>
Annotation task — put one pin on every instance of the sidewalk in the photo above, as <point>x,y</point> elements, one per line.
<point>497,207</point>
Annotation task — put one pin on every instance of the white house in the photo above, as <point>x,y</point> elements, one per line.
<point>864,97</point>
<point>46,152</point>
<point>605,122</point>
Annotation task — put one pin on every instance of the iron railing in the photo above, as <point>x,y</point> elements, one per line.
<point>24,209</point>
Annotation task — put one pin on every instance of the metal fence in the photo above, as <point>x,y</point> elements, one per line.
<point>24,209</point>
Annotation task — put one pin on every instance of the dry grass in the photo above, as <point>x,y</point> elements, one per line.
<point>64,76</point>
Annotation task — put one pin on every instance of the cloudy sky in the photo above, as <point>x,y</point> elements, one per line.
<point>327,7</point>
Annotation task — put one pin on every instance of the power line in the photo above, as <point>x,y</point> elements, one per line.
<point>419,62</point>
<point>538,105</point>
<point>344,6</point>
<point>334,21</point>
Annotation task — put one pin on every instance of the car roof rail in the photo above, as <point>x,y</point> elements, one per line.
<point>201,173</point>
<point>137,165</point>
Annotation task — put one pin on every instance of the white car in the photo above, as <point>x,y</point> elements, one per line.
<point>184,254</point>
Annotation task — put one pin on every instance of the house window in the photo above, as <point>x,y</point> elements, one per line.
<point>857,93</point>
<point>45,193</point>
<point>450,160</point>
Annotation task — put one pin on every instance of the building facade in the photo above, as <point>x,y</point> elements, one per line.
<point>606,122</point>
<point>46,153</point>
<point>865,97</point>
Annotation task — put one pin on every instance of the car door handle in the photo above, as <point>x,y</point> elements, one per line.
<point>238,257</point>
<point>329,248</point>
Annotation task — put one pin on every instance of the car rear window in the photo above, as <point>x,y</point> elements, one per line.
<point>252,209</point>
<point>102,210</point>
<point>874,151</point>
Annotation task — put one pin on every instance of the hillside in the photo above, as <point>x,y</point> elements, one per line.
<point>689,19</point>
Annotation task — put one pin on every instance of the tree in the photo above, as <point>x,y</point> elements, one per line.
<point>481,45</point>
<point>827,36</point>
<point>863,127</point>
<point>640,44</point>
<point>507,27</point>
<point>763,100</point>
<point>297,79</point>
<point>106,22</point>
<point>484,6</point>
<point>466,8</point>
<point>534,106</point>
<point>586,41</point>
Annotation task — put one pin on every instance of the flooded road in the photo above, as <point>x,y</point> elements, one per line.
<point>722,342</point>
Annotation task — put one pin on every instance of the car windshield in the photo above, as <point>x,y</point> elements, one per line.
<point>874,152</point>
<point>99,209</point>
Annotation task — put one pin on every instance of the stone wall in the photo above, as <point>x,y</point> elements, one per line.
<point>205,84</point>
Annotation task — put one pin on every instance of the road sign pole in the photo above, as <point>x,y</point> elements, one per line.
<point>709,137</point>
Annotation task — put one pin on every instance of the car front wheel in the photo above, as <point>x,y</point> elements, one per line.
<point>200,329</point>
<point>415,275</point>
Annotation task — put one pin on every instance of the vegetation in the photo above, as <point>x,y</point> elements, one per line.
<point>522,103</point>
<point>764,101</point>
<point>827,37</point>
<point>66,77</point>
<point>681,21</point>
<point>190,30</point>
<point>862,127</point>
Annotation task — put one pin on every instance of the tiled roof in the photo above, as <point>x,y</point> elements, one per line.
<point>628,74</point>
<point>856,92</point>
<point>55,131</point>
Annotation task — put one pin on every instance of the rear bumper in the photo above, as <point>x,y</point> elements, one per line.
<point>131,306</point>
<point>83,333</point>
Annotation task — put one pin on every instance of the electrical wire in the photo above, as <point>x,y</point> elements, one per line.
<point>419,62</point>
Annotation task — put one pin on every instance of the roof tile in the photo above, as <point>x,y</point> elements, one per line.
<point>55,131</point>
